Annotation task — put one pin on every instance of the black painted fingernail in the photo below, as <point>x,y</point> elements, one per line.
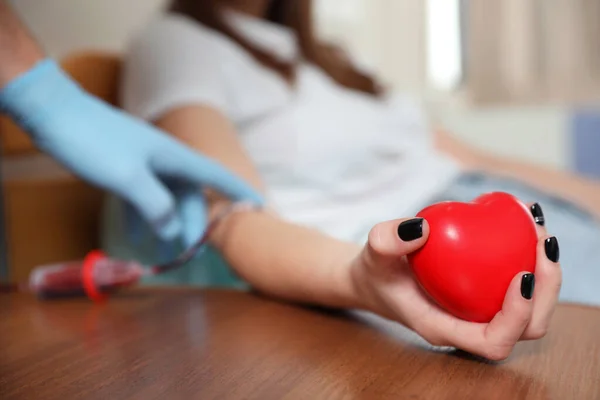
<point>552,250</point>
<point>527,285</point>
<point>411,229</point>
<point>538,215</point>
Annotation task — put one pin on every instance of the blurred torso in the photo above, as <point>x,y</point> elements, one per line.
<point>332,158</point>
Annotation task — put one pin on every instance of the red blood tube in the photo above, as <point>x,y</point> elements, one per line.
<point>95,277</point>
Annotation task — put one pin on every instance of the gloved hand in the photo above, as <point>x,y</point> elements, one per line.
<point>117,152</point>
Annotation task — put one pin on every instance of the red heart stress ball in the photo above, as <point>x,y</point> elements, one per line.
<point>473,252</point>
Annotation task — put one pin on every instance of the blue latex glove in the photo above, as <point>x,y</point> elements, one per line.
<point>117,152</point>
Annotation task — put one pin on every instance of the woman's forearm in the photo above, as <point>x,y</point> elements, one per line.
<point>276,257</point>
<point>18,50</point>
<point>580,190</point>
<point>288,261</point>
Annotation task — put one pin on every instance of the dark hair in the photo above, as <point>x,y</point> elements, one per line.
<point>297,15</point>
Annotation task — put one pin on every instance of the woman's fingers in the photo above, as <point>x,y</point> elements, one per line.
<point>548,276</point>
<point>507,327</point>
<point>538,214</point>
<point>495,340</point>
<point>389,241</point>
<point>539,218</point>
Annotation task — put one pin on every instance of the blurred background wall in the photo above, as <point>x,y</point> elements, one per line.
<point>509,76</point>
<point>518,78</point>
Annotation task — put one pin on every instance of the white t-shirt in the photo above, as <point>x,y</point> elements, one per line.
<point>332,158</point>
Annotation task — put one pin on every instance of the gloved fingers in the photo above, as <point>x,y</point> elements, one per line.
<point>182,162</point>
<point>156,205</point>
<point>191,207</point>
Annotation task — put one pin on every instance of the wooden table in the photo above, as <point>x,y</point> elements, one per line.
<point>187,344</point>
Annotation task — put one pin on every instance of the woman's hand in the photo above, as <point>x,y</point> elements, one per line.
<point>383,279</point>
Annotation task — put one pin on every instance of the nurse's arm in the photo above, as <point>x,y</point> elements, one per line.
<point>18,50</point>
<point>276,257</point>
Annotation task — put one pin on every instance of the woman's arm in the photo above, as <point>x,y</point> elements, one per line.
<point>582,191</point>
<point>276,257</point>
<point>302,265</point>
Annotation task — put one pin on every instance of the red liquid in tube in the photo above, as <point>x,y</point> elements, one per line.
<point>66,279</point>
